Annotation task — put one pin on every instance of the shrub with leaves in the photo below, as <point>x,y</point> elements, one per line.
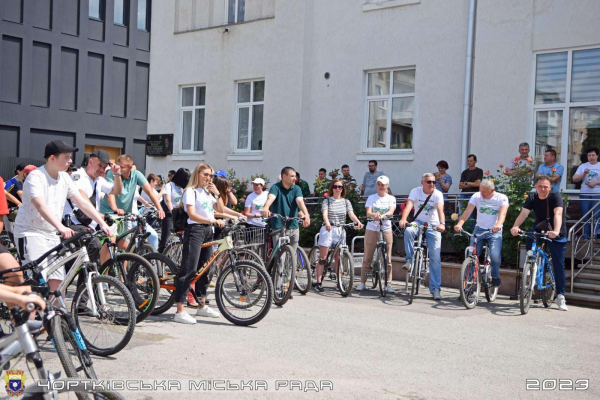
<point>239,188</point>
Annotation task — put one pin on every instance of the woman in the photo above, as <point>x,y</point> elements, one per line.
<point>153,181</point>
<point>199,198</point>
<point>378,205</point>
<point>443,181</point>
<point>334,208</point>
<point>172,193</point>
<point>224,188</point>
<point>589,174</point>
<point>255,202</point>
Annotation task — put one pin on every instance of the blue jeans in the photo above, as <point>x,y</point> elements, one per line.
<point>434,244</point>
<point>586,206</point>
<point>558,249</point>
<point>153,238</point>
<point>495,245</point>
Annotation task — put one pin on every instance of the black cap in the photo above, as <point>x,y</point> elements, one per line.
<point>101,155</point>
<point>72,167</point>
<point>58,146</point>
<point>20,167</point>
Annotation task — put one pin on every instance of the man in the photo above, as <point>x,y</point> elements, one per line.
<point>44,195</point>
<point>521,165</point>
<point>552,169</point>
<point>369,185</point>
<point>491,213</point>
<point>548,206</point>
<point>13,195</point>
<point>322,183</point>
<point>304,187</point>
<point>123,203</point>
<point>428,202</point>
<point>471,177</point>
<point>16,180</point>
<point>589,175</point>
<point>346,177</point>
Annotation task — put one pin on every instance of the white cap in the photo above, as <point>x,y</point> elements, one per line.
<point>384,180</point>
<point>259,181</point>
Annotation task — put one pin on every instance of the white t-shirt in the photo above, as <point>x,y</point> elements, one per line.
<point>202,201</point>
<point>174,191</point>
<point>256,203</point>
<point>592,176</point>
<point>83,182</point>
<point>147,198</point>
<point>55,192</point>
<point>134,206</point>
<point>430,211</point>
<point>380,205</point>
<point>488,209</point>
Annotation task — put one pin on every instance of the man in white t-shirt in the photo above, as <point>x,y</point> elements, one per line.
<point>491,212</point>
<point>255,203</point>
<point>589,174</point>
<point>428,202</point>
<point>44,195</point>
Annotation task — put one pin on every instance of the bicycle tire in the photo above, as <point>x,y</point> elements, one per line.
<point>527,282</point>
<point>174,251</point>
<point>167,275</point>
<point>283,279</point>
<point>381,260</point>
<point>145,249</point>
<point>491,292</point>
<point>549,292</point>
<point>58,340</point>
<point>247,269</point>
<point>108,316</point>
<point>141,281</point>
<point>303,279</point>
<point>414,288</point>
<point>345,274</point>
<point>80,358</point>
<point>313,258</point>
<point>469,283</point>
<point>374,273</point>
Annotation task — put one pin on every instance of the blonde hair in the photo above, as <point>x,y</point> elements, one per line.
<point>194,181</point>
<point>125,158</point>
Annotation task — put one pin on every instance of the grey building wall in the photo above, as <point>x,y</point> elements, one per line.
<point>66,76</point>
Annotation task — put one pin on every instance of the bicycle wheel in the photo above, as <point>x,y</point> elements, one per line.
<point>345,276</point>
<point>58,340</point>
<point>383,268</point>
<point>283,273</point>
<point>414,271</point>
<point>313,260</point>
<point>244,293</point>
<point>527,282</point>
<point>303,279</point>
<point>67,347</point>
<point>174,252</point>
<point>548,292</point>
<point>145,249</point>
<point>469,283</point>
<point>111,329</point>
<point>167,275</point>
<point>141,281</point>
<point>491,292</point>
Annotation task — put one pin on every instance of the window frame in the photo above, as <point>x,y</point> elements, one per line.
<point>250,105</point>
<point>389,98</point>
<point>565,107</point>
<point>126,7</point>
<point>236,5</point>
<point>148,16</point>
<point>193,109</point>
<point>101,11</point>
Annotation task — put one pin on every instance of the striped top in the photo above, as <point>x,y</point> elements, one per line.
<point>337,209</point>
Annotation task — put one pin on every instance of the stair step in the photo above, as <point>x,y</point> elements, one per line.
<point>588,299</point>
<point>587,288</point>
<point>584,275</point>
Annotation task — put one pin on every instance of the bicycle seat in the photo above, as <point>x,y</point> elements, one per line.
<point>175,231</point>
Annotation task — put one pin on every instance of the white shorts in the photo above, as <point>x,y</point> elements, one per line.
<point>33,247</point>
<point>326,239</point>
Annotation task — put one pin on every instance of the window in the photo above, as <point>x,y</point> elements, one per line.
<point>143,16</point>
<point>390,109</point>
<point>249,115</point>
<point>567,107</point>
<point>96,9</point>
<point>236,11</point>
<point>193,104</point>
<point>121,12</point>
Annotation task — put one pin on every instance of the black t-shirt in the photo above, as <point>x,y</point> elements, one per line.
<point>538,206</point>
<point>471,175</point>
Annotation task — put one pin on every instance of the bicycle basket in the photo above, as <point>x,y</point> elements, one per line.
<point>249,236</point>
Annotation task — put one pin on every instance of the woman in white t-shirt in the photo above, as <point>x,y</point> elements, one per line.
<point>200,200</point>
<point>172,194</point>
<point>589,173</point>
<point>378,205</point>
<point>255,203</point>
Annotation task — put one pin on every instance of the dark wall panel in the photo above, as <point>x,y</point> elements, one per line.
<point>108,141</point>
<point>96,30</point>
<point>119,87</point>
<point>10,142</point>
<point>139,155</point>
<point>40,74</point>
<point>42,14</point>
<point>70,17</point>
<point>120,35</point>
<point>40,138</point>
<point>142,75</point>
<point>12,10</point>
<point>69,63</point>
<point>143,41</point>
<point>95,83</point>
<point>10,69</point>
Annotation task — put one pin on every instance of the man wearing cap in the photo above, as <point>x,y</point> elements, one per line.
<point>428,203</point>
<point>44,195</point>
<point>255,203</point>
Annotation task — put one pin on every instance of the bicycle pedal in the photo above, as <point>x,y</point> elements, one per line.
<point>242,299</point>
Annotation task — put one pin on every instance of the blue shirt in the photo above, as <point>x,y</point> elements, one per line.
<point>544,169</point>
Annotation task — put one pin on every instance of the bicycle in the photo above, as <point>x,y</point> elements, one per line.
<point>419,267</point>
<point>339,254</point>
<point>242,286</point>
<point>380,263</point>
<point>473,275</point>
<point>139,234</point>
<point>537,273</point>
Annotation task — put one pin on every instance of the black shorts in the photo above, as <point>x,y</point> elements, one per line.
<point>3,250</point>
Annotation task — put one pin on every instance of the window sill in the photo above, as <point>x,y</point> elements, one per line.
<point>245,157</point>
<point>380,5</point>
<point>188,156</point>
<point>227,25</point>
<point>386,156</point>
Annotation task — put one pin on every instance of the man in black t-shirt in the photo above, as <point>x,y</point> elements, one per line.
<point>548,206</point>
<point>471,177</point>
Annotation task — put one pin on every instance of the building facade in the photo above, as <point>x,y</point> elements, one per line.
<point>75,70</point>
<point>256,85</point>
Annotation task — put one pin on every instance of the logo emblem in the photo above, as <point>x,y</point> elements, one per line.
<point>15,382</point>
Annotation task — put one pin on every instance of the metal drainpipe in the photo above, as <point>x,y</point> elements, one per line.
<point>467,105</point>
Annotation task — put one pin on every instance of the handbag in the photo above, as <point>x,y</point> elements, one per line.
<point>180,216</point>
<point>422,207</point>
<point>80,215</point>
<point>545,225</point>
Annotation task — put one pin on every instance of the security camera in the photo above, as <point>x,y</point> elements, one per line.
<point>225,30</point>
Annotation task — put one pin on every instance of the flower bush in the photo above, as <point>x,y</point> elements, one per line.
<point>239,188</point>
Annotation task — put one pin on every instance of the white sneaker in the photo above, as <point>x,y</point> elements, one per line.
<point>206,311</point>
<point>184,318</point>
<point>361,286</point>
<point>436,294</point>
<point>389,289</point>
<point>407,265</point>
<point>561,302</point>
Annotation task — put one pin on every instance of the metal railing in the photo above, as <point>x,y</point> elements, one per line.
<point>583,248</point>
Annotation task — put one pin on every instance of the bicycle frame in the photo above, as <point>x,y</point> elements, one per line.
<point>540,261</point>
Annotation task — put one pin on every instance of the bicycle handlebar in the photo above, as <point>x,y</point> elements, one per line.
<point>472,234</point>
<point>541,235</point>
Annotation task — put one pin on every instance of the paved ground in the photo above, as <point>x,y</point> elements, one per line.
<point>370,347</point>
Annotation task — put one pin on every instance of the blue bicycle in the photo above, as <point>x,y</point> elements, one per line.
<point>538,273</point>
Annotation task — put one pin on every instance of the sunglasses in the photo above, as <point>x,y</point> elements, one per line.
<point>208,175</point>
<point>337,186</point>
<point>430,182</point>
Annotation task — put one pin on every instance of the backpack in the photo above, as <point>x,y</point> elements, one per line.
<point>180,216</point>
